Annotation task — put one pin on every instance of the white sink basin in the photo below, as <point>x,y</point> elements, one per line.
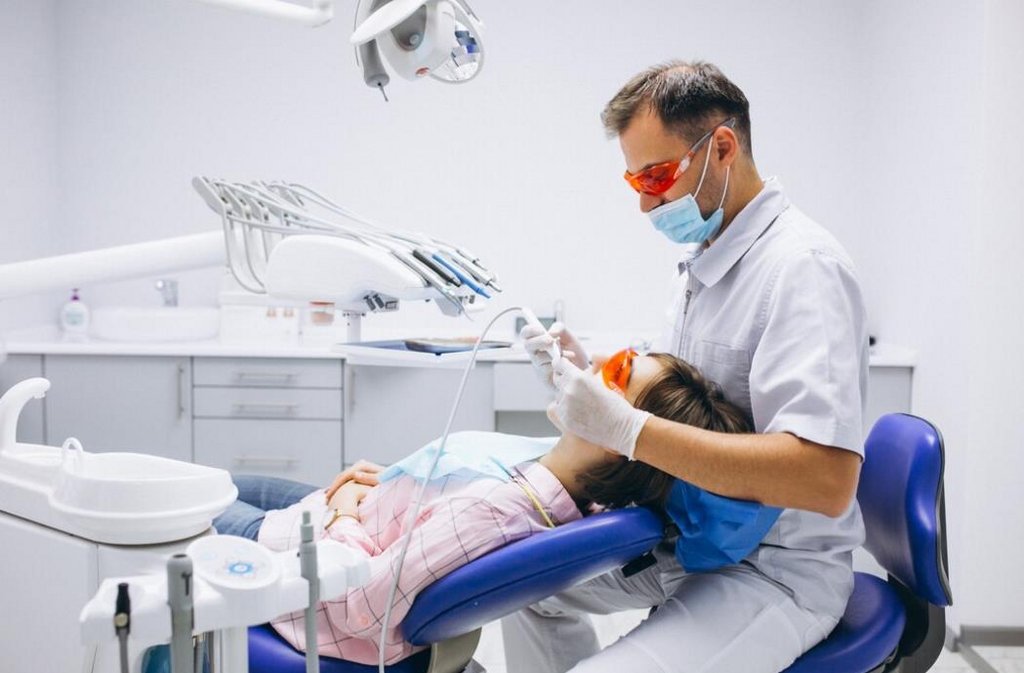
<point>160,323</point>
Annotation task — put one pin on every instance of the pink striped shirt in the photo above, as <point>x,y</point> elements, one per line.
<point>461,519</point>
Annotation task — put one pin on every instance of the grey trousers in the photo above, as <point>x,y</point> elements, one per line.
<point>730,621</point>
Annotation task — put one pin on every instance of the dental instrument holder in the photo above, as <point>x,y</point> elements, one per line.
<point>289,242</point>
<point>179,598</point>
<point>307,564</point>
<point>234,582</point>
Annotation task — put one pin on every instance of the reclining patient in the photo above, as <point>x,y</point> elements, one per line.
<point>488,490</point>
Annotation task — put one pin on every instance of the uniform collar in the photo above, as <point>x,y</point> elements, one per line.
<point>710,265</point>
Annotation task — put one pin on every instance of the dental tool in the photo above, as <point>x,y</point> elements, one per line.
<point>531,319</point>
<point>123,623</point>
<point>308,566</point>
<point>179,598</point>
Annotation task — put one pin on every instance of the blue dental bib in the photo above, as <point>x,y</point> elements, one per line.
<point>715,531</point>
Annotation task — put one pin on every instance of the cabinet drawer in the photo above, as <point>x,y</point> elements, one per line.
<point>307,451</point>
<point>267,372</point>
<point>271,403</point>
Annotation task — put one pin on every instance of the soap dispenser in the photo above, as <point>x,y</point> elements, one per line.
<point>74,317</point>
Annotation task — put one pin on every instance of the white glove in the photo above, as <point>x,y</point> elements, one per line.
<point>586,407</point>
<point>537,342</point>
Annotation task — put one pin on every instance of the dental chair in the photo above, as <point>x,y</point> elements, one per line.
<point>893,624</point>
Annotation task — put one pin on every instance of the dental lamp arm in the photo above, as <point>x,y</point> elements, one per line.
<point>320,13</point>
<point>139,260</point>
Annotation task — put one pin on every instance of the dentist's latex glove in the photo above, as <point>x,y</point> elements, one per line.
<point>586,407</point>
<point>536,342</point>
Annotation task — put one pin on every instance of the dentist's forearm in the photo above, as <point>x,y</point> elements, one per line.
<point>779,469</point>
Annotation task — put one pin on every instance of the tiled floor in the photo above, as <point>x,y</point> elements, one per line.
<point>491,656</point>
<point>1003,659</point>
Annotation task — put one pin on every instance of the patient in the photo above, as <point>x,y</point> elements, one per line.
<point>471,506</point>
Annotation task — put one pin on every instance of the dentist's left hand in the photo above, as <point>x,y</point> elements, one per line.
<point>585,407</point>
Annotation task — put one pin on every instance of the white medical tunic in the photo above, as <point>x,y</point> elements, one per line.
<point>772,311</point>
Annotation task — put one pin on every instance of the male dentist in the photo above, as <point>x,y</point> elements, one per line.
<point>770,308</point>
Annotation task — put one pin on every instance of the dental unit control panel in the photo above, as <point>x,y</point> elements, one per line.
<point>221,584</point>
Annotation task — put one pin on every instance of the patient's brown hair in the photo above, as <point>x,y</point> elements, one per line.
<point>678,393</point>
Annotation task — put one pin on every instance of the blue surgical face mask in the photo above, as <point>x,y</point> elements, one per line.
<point>681,220</point>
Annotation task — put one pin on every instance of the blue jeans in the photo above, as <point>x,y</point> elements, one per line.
<point>256,496</point>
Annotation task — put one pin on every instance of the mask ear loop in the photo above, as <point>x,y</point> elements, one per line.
<point>726,190</point>
<point>704,173</point>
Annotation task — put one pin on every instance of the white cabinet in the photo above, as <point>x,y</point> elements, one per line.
<point>391,411</point>
<point>121,403</point>
<point>15,369</point>
<point>279,417</point>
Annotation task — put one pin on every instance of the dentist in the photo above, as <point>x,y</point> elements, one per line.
<point>768,305</point>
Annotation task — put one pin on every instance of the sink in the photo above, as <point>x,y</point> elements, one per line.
<point>155,323</point>
<point>134,498</point>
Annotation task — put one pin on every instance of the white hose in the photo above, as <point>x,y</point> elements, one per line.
<point>413,513</point>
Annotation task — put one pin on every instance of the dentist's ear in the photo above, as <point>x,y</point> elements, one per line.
<point>726,145</point>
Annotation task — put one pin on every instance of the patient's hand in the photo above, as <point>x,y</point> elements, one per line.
<point>347,498</point>
<point>363,472</point>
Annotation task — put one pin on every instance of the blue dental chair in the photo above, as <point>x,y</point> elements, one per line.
<point>896,624</point>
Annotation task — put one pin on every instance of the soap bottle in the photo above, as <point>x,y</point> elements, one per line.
<point>74,317</point>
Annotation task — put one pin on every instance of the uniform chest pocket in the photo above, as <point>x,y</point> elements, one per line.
<point>729,367</point>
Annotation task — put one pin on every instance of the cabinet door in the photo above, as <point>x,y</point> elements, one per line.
<point>391,411</point>
<point>15,369</point>
<point>121,403</point>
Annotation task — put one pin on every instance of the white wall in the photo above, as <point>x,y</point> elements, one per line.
<point>514,166</point>
<point>919,139</point>
<point>992,591</point>
<point>28,138</point>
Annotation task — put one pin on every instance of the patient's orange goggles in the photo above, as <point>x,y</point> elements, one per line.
<point>616,371</point>
<point>659,178</point>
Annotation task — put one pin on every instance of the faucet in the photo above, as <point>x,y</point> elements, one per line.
<point>168,289</point>
<point>10,408</point>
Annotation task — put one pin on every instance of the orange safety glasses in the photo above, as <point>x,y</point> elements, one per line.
<point>616,371</point>
<point>659,178</point>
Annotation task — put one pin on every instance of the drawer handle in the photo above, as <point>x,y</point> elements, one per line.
<point>264,409</point>
<point>266,461</point>
<point>265,377</point>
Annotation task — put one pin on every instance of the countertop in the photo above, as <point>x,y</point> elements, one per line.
<point>48,340</point>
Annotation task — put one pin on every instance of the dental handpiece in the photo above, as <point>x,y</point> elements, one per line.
<point>308,568</point>
<point>531,319</point>
<point>179,597</point>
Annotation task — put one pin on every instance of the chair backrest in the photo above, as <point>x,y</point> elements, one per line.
<point>901,498</point>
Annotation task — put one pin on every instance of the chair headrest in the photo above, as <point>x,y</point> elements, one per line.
<point>901,498</point>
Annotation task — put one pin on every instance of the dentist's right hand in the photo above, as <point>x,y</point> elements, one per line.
<point>536,342</point>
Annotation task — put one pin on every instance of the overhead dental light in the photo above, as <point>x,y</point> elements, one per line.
<point>418,38</point>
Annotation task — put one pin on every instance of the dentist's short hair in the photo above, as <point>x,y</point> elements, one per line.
<point>680,393</point>
<point>688,97</point>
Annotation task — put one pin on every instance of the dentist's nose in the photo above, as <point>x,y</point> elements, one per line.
<point>649,202</point>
